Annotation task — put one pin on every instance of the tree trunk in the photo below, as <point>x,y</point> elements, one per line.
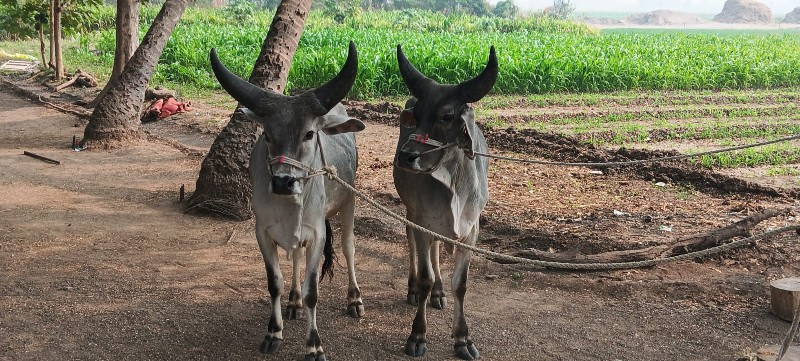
<point>40,27</point>
<point>57,40</point>
<point>127,35</point>
<point>52,62</point>
<point>116,117</point>
<point>223,185</point>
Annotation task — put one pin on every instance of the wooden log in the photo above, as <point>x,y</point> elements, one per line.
<point>770,353</point>
<point>696,242</point>
<point>785,296</point>
<point>152,94</point>
<point>39,157</point>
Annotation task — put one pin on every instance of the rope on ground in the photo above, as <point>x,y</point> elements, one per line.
<point>561,265</point>
<point>639,161</point>
<point>787,341</point>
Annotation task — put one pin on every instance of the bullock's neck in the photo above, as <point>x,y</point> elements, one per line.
<point>455,165</point>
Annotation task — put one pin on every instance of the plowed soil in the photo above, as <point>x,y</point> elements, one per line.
<point>97,261</point>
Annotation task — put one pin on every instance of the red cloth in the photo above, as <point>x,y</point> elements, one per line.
<point>162,109</point>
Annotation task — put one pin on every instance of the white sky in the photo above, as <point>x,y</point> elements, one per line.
<point>779,7</point>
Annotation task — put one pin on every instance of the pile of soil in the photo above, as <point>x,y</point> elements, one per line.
<point>744,12</point>
<point>793,17</point>
<point>602,21</point>
<point>665,17</point>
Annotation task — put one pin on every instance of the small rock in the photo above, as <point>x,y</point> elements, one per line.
<point>600,172</point>
<point>492,277</point>
<point>620,213</point>
<point>661,184</point>
<point>665,228</point>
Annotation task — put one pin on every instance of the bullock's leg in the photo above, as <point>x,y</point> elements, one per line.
<point>269,250</point>
<point>293,309</point>
<point>416,345</point>
<point>413,288</point>
<point>438,298</point>
<point>310,292</point>
<point>355,306</point>
<point>463,346</point>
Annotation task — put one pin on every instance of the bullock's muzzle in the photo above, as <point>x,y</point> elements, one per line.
<point>286,185</point>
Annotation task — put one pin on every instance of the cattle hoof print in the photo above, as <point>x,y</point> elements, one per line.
<point>270,345</point>
<point>439,302</point>
<point>355,309</point>
<point>416,346</point>
<point>466,350</point>
<point>293,312</point>
<point>318,356</point>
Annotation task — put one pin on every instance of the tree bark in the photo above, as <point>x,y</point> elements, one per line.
<point>127,36</point>
<point>223,186</point>
<point>52,62</point>
<point>57,40</point>
<point>116,117</point>
<point>41,43</point>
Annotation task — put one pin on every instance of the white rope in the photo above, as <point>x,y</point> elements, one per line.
<point>559,265</point>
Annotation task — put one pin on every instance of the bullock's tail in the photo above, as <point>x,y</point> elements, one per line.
<point>330,256</point>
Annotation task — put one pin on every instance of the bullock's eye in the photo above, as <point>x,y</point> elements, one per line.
<point>448,117</point>
<point>309,135</point>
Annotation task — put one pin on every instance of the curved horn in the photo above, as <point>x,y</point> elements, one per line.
<point>416,82</point>
<point>476,88</point>
<point>241,90</point>
<point>332,92</point>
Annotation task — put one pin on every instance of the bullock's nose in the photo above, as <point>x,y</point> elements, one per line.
<point>283,184</point>
<point>407,159</point>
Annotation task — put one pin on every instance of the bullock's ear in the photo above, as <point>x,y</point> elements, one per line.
<point>340,123</point>
<point>468,141</point>
<point>407,118</point>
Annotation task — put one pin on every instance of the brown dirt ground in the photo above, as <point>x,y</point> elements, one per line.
<point>98,262</point>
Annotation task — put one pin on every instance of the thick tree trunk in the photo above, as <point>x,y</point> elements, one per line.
<point>223,185</point>
<point>127,36</point>
<point>57,39</point>
<point>116,117</point>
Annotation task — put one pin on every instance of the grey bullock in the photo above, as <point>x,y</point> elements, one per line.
<point>444,188</point>
<point>301,133</point>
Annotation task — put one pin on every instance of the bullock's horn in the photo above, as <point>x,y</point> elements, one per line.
<point>476,88</point>
<point>415,81</point>
<point>244,92</point>
<point>332,92</point>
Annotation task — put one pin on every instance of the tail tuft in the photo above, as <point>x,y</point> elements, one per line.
<point>330,256</point>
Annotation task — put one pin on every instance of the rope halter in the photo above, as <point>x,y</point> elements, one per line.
<point>424,139</point>
<point>310,172</point>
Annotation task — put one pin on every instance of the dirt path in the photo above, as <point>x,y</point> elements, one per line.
<point>97,262</point>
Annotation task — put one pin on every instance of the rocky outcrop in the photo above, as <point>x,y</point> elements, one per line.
<point>744,12</point>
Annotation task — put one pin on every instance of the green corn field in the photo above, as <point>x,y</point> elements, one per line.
<point>536,55</point>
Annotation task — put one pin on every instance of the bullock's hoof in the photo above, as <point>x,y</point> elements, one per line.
<point>411,298</point>
<point>416,346</point>
<point>439,301</point>
<point>293,311</point>
<point>466,350</point>
<point>270,344</point>
<point>319,356</point>
<point>355,309</point>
